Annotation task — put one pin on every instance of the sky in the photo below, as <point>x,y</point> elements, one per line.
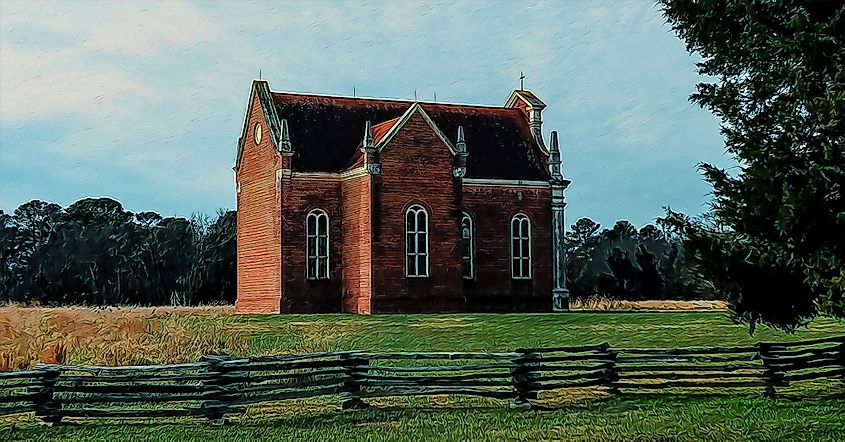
<point>144,101</point>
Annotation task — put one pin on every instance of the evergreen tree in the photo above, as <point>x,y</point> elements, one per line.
<point>776,248</point>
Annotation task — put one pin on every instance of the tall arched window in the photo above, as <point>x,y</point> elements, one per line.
<point>467,246</point>
<point>520,247</point>
<point>317,244</point>
<point>416,241</point>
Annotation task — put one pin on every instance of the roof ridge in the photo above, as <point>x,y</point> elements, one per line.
<point>394,100</point>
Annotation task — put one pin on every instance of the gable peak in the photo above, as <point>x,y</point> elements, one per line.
<point>528,97</point>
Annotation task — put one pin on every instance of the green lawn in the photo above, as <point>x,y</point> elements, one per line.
<point>808,412</point>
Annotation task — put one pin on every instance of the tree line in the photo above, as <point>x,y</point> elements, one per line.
<point>625,263</point>
<point>94,252</point>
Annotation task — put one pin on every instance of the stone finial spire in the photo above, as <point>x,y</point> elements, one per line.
<point>370,155</point>
<point>461,145</point>
<point>368,135</point>
<point>554,157</point>
<point>460,165</point>
<point>284,138</point>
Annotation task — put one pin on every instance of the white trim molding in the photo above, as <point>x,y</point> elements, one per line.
<point>331,176</point>
<point>506,183</point>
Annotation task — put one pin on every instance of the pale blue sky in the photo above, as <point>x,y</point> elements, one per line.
<point>144,102</point>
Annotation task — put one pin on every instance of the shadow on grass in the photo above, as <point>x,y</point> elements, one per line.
<point>322,417</point>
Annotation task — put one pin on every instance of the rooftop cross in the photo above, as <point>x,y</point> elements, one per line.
<point>521,80</point>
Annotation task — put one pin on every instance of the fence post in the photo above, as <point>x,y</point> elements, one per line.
<point>613,370</point>
<point>220,390</point>
<point>47,407</point>
<point>352,383</point>
<point>524,376</point>
<point>842,358</point>
<point>771,376</point>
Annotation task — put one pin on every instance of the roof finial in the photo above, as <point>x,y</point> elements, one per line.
<point>415,95</point>
<point>353,91</point>
<point>461,145</point>
<point>435,96</point>
<point>259,74</point>
<point>554,157</point>
<point>521,81</point>
<point>368,135</point>
<point>284,141</point>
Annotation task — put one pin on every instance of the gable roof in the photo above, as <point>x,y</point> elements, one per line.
<point>400,122</point>
<point>527,96</point>
<point>326,132</point>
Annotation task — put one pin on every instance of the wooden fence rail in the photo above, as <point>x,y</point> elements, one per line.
<point>219,386</point>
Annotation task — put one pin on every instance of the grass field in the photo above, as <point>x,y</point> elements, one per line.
<point>810,412</point>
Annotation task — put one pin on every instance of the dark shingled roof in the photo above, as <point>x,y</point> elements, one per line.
<point>326,132</point>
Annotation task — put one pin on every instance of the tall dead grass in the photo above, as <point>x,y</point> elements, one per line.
<point>115,336</point>
<point>601,303</point>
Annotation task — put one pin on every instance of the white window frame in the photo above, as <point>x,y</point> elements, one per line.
<point>418,233</point>
<point>516,255</point>
<point>321,266</point>
<point>468,247</point>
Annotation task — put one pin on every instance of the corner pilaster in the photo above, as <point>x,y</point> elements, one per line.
<point>560,294</point>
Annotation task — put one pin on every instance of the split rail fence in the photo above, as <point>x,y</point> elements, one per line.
<point>218,387</point>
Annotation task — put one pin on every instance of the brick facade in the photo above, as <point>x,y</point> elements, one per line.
<point>491,209</point>
<point>416,168</point>
<point>301,195</point>
<point>356,294</point>
<point>259,213</point>
<point>367,239</point>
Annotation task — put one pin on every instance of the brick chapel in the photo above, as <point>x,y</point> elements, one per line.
<point>365,205</point>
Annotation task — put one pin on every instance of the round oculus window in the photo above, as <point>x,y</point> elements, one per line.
<point>257,133</point>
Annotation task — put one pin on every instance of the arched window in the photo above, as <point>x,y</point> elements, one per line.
<point>467,246</point>
<point>317,245</point>
<point>416,241</point>
<point>520,247</point>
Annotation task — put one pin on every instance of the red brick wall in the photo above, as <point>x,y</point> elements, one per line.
<point>259,235</point>
<point>356,245</point>
<point>493,289</point>
<point>300,195</point>
<point>416,167</point>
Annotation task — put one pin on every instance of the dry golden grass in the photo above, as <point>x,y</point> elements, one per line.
<point>607,304</point>
<point>162,335</point>
<point>114,336</point>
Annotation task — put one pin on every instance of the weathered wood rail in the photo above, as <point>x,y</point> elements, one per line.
<point>218,387</point>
